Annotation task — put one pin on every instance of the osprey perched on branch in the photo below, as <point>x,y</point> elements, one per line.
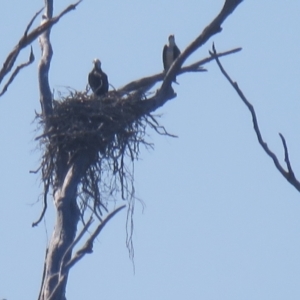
<point>170,53</point>
<point>98,79</point>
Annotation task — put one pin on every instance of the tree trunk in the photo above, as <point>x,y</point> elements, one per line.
<point>67,217</point>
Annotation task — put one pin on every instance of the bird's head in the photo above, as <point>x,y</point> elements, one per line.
<point>97,63</point>
<point>172,39</point>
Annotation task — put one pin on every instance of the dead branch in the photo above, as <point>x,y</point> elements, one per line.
<point>71,247</point>
<point>166,92</point>
<point>61,273</point>
<point>287,159</point>
<point>88,246</point>
<point>195,66</point>
<point>45,203</point>
<point>145,84</point>
<point>86,249</point>
<point>11,58</point>
<point>213,28</point>
<point>25,41</point>
<point>16,71</point>
<point>31,21</point>
<point>289,174</point>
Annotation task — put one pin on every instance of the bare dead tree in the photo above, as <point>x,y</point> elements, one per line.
<point>71,166</point>
<point>86,140</point>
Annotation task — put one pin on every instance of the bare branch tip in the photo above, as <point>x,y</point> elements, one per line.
<point>31,55</point>
<point>32,20</point>
<point>214,48</point>
<point>78,2</point>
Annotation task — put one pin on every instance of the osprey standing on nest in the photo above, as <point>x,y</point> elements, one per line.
<point>170,53</point>
<point>98,79</point>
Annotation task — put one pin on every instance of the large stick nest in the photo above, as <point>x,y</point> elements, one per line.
<point>110,129</point>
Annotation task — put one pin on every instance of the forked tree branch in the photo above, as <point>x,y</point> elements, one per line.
<point>16,71</point>
<point>146,83</point>
<point>62,272</point>
<point>11,58</point>
<point>289,174</point>
<point>26,40</point>
<point>165,92</point>
<point>213,28</point>
<point>87,248</point>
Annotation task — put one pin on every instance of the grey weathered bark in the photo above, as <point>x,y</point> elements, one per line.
<point>59,253</point>
<point>67,217</point>
<point>67,212</point>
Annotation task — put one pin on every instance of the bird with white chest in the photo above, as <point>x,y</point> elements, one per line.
<point>98,80</point>
<point>170,53</point>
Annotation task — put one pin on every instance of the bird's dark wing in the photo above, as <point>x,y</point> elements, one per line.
<point>164,57</point>
<point>93,81</point>
<point>104,80</point>
<point>176,52</point>
<point>98,82</point>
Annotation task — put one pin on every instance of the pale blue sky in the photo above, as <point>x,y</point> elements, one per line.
<point>220,222</point>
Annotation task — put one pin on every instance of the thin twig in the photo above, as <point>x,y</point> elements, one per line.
<point>147,82</point>
<point>28,38</point>
<point>286,157</point>
<point>193,67</point>
<point>32,20</point>
<point>17,70</point>
<point>288,175</point>
<point>78,238</point>
<point>46,190</point>
<point>61,273</point>
<point>88,246</point>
